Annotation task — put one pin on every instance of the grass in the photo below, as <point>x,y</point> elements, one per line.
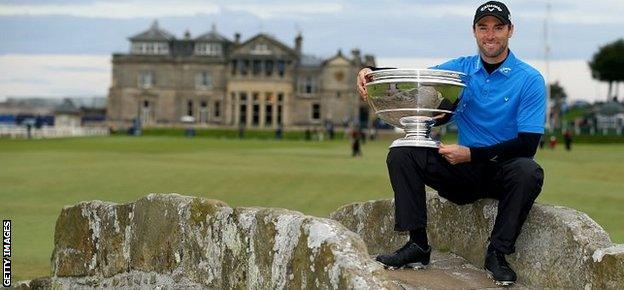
<point>39,177</point>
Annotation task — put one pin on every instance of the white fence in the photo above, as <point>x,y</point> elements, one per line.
<point>14,132</point>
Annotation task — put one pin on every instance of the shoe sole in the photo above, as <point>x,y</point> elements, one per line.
<point>499,283</point>
<point>414,266</point>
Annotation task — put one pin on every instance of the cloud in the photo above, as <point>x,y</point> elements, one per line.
<point>290,10</point>
<point>25,81</point>
<point>151,9</point>
<point>106,9</point>
<point>80,69</point>
<point>563,11</point>
<point>26,75</point>
<point>572,11</point>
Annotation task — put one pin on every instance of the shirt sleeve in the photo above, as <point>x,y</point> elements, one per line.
<point>457,64</point>
<point>524,145</point>
<point>532,108</point>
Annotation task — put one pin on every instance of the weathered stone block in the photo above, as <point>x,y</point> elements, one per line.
<point>558,247</point>
<point>179,241</point>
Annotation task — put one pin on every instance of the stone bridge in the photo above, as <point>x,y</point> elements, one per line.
<point>181,242</point>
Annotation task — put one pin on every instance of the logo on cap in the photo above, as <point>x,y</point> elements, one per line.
<point>491,7</point>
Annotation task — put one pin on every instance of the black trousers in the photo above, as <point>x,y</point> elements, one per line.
<point>516,183</point>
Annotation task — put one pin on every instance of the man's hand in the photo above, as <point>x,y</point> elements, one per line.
<point>439,116</point>
<point>454,153</point>
<point>361,83</point>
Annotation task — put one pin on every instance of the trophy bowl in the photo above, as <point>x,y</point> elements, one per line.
<point>411,99</point>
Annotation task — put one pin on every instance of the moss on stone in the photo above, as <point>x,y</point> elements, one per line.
<point>300,265</point>
<point>73,242</point>
<point>201,208</point>
<point>156,236</point>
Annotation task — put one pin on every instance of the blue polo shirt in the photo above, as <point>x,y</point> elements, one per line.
<point>494,108</point>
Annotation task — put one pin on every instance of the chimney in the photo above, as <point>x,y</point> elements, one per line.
<point>369,60</point>
<point>357,60</point>
<point>298,43</point>
<point>237,37</point>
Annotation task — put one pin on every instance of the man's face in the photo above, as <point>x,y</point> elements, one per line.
<point>492,37</point>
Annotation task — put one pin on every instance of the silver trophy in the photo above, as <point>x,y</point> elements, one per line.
<point>410,99</point>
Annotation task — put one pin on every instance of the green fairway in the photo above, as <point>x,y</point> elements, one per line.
<point>39,177</point>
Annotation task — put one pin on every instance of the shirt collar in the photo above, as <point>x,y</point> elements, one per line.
<point>506,68</point>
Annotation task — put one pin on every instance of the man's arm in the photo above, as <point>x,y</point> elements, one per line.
<point>444,118</point>
<point>379,68</point>
<point>525,145</point>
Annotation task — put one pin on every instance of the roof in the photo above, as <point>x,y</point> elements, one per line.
<point>338,55</point>
<point>154,33</point>
<point>67,107</point>
<point>610,108</point>
<point>310,61</point>
<point>272,40</point>
<point>212,36</point>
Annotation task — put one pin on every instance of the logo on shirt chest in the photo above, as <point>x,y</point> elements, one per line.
<point>505,70</point>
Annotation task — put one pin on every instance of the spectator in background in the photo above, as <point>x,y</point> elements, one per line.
<point>241,130</point>
<point>279,131</point>
<point>552,142</point>
<point>355,142</point>
<point>567,138</point>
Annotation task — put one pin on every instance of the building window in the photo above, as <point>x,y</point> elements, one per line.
<point>244,66</point>
<point>316,112</point>
<point>268,110</point>
<point>189,108</point>
<point>280,107</point>
<point>255,117</point>
<point>146,79</point>
<point>203,80</point>
<point>217,109</point>
<point>260,48</point>
<point>146,112</point>
<point>268,68</point>
<point>281,68</point>
<point>150,48</point>
<point>232,108</point>
<point>243,108</point>
<point>213,49</point>
<point>234,66</point>
<point>256,67</point>
<point>308,85</point>
<point>203,112</point>
<point>163,48</point>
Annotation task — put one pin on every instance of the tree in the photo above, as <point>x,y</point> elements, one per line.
<point>607,65</point>
<point>558,97</point>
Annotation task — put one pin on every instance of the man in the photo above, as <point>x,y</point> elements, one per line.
<point>500,117</point>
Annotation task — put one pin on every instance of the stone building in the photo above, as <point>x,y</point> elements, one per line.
<point>215,82</point>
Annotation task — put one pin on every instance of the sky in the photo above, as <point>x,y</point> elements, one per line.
<point>45,45</point>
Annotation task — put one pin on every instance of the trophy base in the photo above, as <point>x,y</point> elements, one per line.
<point>422,142</point>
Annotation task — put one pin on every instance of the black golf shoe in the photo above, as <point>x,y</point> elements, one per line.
<point>498,269</point>
<point>408,256</point>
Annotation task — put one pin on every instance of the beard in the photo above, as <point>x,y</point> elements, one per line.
<point>493,53</point>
